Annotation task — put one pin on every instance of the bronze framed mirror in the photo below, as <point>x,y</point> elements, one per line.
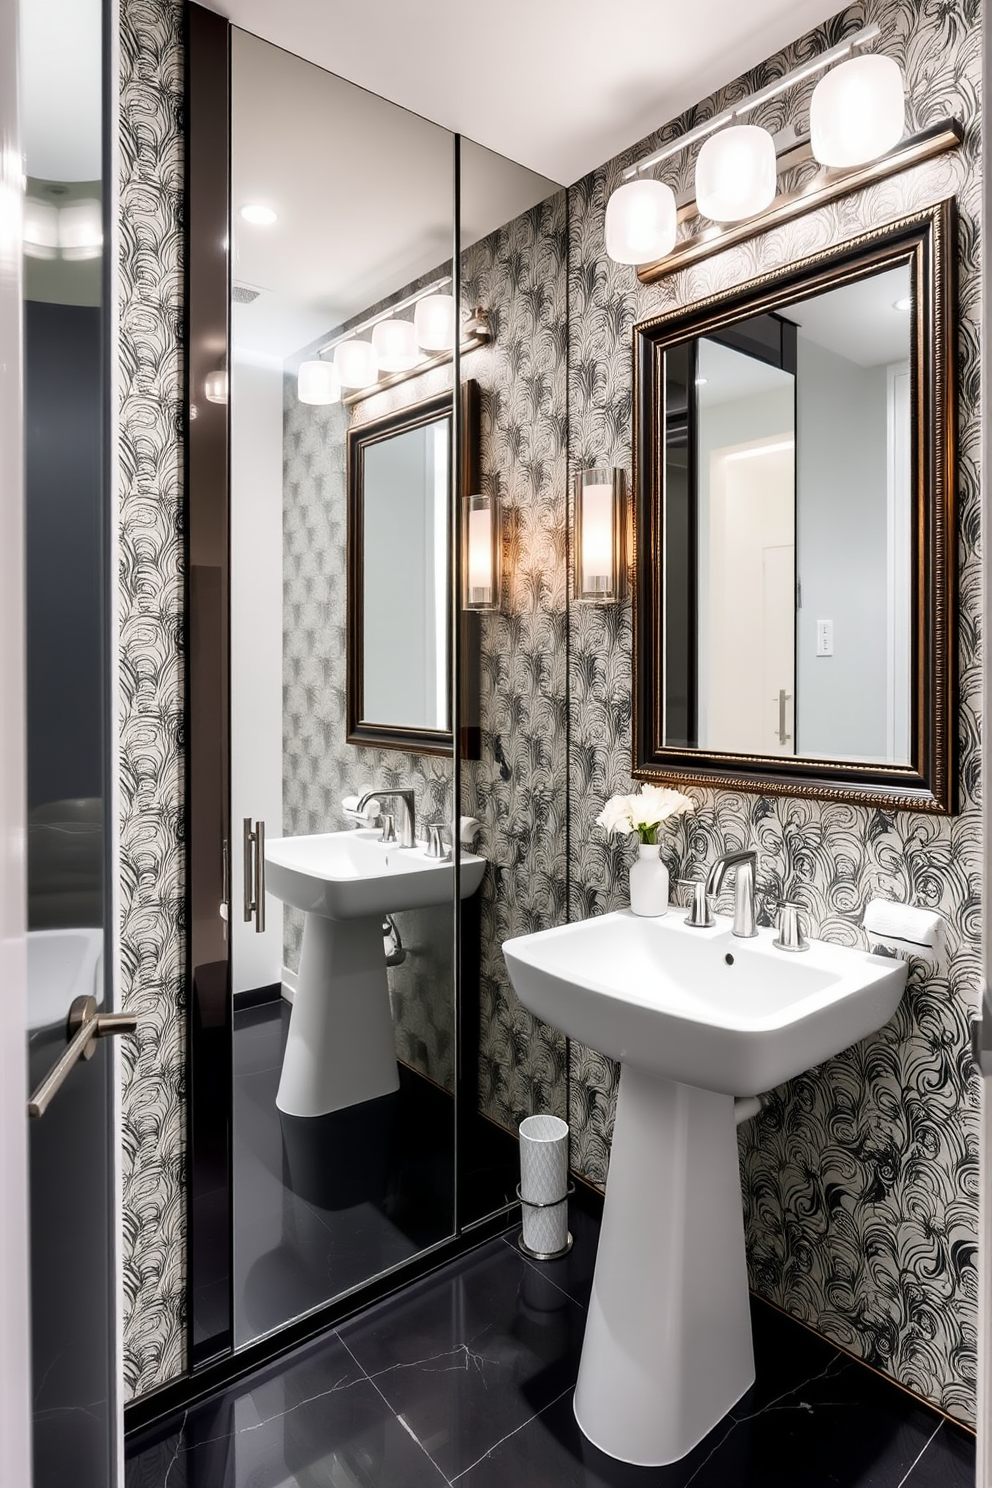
<point>795,527</point>
<point>399,572</point>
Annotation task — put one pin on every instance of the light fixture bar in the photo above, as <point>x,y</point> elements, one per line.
<point>826,59</point>
<point>480,336</point>
<point>383,315</point>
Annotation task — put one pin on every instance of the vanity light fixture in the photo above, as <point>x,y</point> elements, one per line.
<point>356,362</point>
<point>395,344</point>
<point>858,112</point>
<point>906,303</point>
<point>482,546</point>
<point>641,221</point>
<point>259,215</point>
<point>736,174</point>
<point>434,322</point>
<point>600,530</point>
<point>215,386</point>
<point>73,232</point>
<point>318,382</point>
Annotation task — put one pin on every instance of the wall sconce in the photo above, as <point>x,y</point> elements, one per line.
<point>356,362</point>
<point>641,220</point>
<point>215,387</point>
<point>318,382</point>
<point>736,174</point>
<point>857,112</point>
<point>600,535</point>
<point>482,550</point>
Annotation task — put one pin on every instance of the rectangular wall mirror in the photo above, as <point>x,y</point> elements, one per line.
<point>795,528</point>
<point>399,494</point>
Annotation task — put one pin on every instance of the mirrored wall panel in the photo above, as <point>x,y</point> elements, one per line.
<point>342,976</point>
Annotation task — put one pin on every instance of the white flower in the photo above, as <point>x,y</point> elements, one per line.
<point>657,803</point>
<point>616,815</point>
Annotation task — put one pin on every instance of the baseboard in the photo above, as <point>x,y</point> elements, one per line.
<point>289,980</point>
<point>257,996</point>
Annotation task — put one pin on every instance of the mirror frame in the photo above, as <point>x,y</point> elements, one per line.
<point>361,730</point>
<point>924,241</point>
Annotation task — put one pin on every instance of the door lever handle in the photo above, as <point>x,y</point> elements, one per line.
<point>83,1027</point>
<point>254,871</point>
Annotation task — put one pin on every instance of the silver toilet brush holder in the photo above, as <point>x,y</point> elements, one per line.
<point>544,1188</point>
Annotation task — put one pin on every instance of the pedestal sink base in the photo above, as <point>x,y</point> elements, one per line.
<point>667,1348</point>
<point>341,1048</point>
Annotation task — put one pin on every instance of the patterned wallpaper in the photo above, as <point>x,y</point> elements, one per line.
<point>151,688</point>
<point>859,1179</point>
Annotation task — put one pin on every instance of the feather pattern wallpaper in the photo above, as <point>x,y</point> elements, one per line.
<point>151,762</point>
<point>860,1179</point>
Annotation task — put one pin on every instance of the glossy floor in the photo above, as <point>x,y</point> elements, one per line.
<point>467,1377</point>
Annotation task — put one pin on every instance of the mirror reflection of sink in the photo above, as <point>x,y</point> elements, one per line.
<point>695,1017</point>
<point>340,1048</point>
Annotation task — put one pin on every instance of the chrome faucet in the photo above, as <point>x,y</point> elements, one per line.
<point>744,864</point>
<point>408,812</point>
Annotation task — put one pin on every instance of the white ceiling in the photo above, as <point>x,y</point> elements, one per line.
<point>560,86</point>
<point>859,321</point>
<point>60,57</point>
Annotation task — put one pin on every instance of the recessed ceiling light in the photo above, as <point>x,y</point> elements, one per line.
<point>904,304</point>
<point>261,216</point>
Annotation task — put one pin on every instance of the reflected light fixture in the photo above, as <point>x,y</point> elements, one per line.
<point>395,345</point>
<point>318,382</point>
<point>261,216</point>
<point>641,220</point>
<point>758,450</point>
<point>434,322</point>
<point>81,229</point>
<point>41,228</point>
<point>858,112</point>
<point>600,549</point>
<point>736,173</point>
<point>906,303</point>
<point>215,386</point>
<point>356,363</point>
<point>481,552</point>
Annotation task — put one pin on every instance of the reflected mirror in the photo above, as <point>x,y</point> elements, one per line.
<point>794,485</point>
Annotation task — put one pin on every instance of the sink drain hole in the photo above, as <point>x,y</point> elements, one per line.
<point>729,959</point>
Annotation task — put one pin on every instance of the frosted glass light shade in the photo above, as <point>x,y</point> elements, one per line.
<point>736,173</point>
<point>81,229</point>
<point>481,552</point>
<point>395,344</point>
<point>41,228</point>
<point>858,112</point>
<point>640,222</point>
<point>215,387</point>
<point>318,382</point>
<point>356,363</point>
<point>599,534</point>
<point>434,322</point>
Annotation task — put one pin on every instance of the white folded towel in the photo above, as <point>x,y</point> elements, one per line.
<point>368,813</point>
<point>902,927</point>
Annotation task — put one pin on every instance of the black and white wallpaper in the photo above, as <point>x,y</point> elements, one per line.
<point>150,599</point>
<point>860,1179</point>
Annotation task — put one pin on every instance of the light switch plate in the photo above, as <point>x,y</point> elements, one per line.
<point>824,638</point>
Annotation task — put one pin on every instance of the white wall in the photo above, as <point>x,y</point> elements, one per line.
<point>842,547</point>
<point>15,1371</point>
<point>256,649</point>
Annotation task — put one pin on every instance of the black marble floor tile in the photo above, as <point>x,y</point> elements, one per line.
<point>315,1420</point>
<point>468,1356</point>
<point>574,1272</point>
<point>948,1462</point>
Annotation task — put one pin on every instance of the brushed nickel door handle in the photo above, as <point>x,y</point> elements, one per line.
<point>254,873</point>
<point>83,1027</point>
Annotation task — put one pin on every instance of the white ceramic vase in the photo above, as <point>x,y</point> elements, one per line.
<point>648,882</point>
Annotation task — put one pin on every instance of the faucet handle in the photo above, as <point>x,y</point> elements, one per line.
<point>790,931</point>
<point>388,827</point>
<point>700,916</point>
<point>435,842</point>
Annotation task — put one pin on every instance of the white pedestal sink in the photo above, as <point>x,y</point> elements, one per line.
<point>695,1017</point>
<point>341,1048</point>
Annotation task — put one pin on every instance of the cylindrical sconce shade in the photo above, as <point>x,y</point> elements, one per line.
<point>640,222</point>
<point>215,387</point>
<point>857,112</point>
<point>600,550</point>
<point>81,229</point>
<point>736,173</point>
<point>481,554</point>
<point>434,322</point>
<point>318,382</point>
<point>395,344</point>
<point>356,363</point>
